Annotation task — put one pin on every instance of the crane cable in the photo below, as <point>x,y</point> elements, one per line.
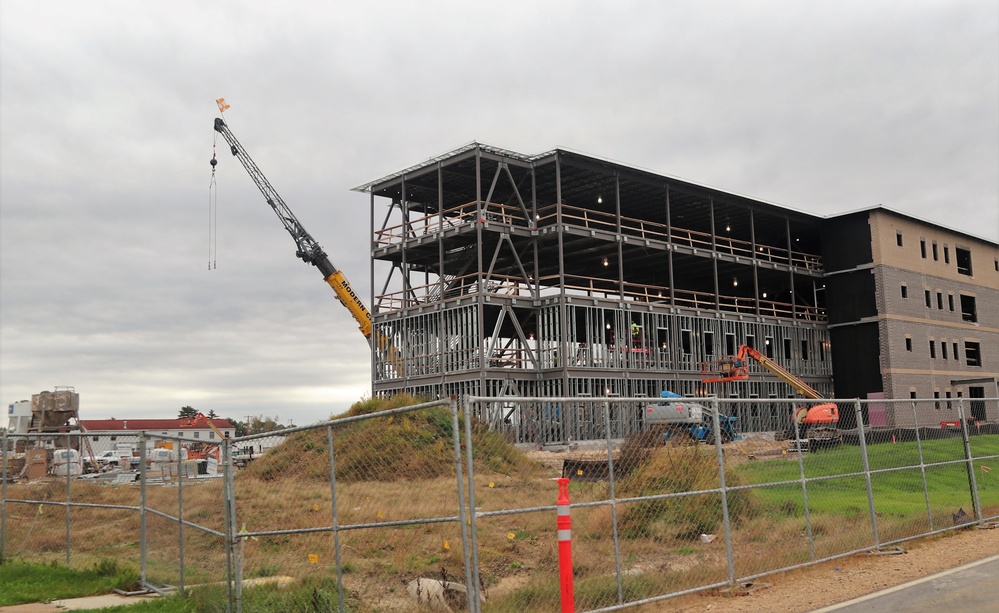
<point>213,197</point>
<point>213,212</point>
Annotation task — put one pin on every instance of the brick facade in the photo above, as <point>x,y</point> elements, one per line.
<point>932,314</point>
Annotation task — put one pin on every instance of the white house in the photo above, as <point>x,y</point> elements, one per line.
<point>104,433</point>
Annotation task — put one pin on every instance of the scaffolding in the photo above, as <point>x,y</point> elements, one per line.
<point>561,274</point>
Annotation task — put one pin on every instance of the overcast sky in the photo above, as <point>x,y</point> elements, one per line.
<point>106,112</point>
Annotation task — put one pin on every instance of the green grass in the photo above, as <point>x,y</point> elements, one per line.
<point>170,604</point>
<point>898,493</point>
<point>23,582</point>
<point>311,595</point>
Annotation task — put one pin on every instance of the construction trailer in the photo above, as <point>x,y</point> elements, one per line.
<point>564,275</point>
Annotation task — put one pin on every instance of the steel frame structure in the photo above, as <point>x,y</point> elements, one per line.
<point>561,274</point>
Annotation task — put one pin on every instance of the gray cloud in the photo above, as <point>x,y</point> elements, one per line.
<point>106,114</point>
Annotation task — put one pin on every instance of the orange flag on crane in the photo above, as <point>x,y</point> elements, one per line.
<point>222,105</point>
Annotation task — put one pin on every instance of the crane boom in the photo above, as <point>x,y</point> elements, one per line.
<point>307,249</point>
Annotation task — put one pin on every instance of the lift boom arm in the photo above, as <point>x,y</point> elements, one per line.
<point>735,368</point>
<point>306,247</point>
<point>782,373</point>
<point>202,417</point>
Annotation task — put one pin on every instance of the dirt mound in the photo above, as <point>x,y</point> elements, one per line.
<point>412,445</point>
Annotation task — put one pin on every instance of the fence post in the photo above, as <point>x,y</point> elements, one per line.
<point>226,523</point>
<point>867,474</point>
<point>796,428</point>
<point>180,508</point>
<point>3,500</point>
<point>972,481</point>
<point>336,519</point>
<point>726,522</point>
<point>143,545</point>
<point>69,496</point>
<point>611,477</point>
<point>922,466</point>
<point>471,519</point>
<point>232,538</point>
<point>564,524</point>
<point>465,520</point>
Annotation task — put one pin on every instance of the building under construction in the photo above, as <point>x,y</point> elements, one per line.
<point>561,274</point>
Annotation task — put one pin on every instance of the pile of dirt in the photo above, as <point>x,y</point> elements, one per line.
<point>406,445</point>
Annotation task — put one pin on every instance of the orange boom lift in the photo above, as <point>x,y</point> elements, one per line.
<point>816,423</point>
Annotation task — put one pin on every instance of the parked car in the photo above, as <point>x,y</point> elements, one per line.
<point>111,459</point>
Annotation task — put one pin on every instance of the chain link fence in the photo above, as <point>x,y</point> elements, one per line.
<point>440,503</point>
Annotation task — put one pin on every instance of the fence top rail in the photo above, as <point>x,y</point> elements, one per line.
<point>119,433</point>
<point>714,398</point>
<point>699,399</point>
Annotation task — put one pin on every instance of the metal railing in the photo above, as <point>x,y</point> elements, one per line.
<point>434,501</point>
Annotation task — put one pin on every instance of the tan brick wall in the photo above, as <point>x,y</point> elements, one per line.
<point>902,318</point>
<point>885,225</point>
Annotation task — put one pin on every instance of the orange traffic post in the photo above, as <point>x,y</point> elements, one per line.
<point>565,547</point>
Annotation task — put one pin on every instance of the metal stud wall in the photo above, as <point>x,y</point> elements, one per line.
<point>559,274</point>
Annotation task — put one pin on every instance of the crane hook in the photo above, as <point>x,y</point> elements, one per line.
<point>214,162</point>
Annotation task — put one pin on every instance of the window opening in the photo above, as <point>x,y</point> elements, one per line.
<point>969,311</point>
<point>963,257</point>
<point>729,344</point>
<point>929,301</point>
<point>940,300</point>
<point>922,247</point>
<point>709,342</point>
<point>936,257</point>
<point>685,341</point>
<point>943,349</point>
<point>908,344</point>
<point>898,238</point>
<point>933,349</point>
<point>946,254</point>
<point>768,346</point>
<point>804,349</point>
<point>972,353</point>
<point>787,349</point>
<point>950,301</point>
<point>905,292</point>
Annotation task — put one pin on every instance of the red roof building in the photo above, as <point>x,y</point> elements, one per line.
<point>192,428</point>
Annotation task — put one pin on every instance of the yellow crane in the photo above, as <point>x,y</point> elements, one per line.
<point>308,250</point>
